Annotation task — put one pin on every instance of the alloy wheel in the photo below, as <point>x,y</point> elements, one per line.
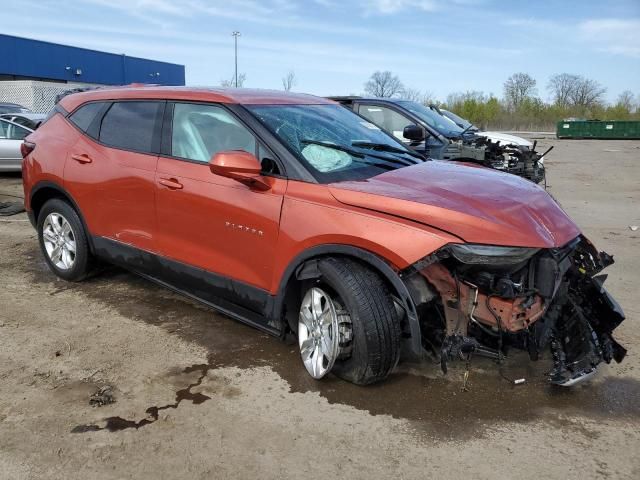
<point>59,241</point>
<point>318,334</point>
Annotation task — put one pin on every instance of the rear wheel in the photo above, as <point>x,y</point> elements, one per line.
<point>348,324</point>
<point>63,241</point>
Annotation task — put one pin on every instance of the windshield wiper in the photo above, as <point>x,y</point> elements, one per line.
<point>386,148</point>
<point>466,130</point>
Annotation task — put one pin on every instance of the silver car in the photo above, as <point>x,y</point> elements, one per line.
<point>29,119</point>
<point>11,136</point>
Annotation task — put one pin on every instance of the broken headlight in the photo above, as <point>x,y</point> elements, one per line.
<point>471,254</point>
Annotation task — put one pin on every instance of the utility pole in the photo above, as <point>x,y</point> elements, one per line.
<point>236,34</point>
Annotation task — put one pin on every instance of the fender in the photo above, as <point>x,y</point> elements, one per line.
<point>41,185</point>
<point>376,262</point>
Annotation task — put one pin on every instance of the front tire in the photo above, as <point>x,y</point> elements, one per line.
<point>357,329</point>
<point>63,241</point>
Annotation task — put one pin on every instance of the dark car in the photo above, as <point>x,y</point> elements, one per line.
<point>434,135</point>
<point>299,217</point>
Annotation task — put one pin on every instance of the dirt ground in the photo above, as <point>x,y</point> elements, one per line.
<point>198,395</point>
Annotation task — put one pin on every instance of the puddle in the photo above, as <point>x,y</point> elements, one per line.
<point>115,424</point>
<point>420,394</point>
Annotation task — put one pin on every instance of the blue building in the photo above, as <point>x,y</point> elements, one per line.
<point>26,59</point>
<point>34,72</point>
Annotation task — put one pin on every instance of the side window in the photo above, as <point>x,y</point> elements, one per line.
<point>130,126</point>
<point>200,131</point>
<point>10,131</point>
<point>387,119</point>
<point>84,115</point>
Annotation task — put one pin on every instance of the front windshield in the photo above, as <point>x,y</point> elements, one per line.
<point>461,122</point>
<point>432,118</point>
<point>334,143</point>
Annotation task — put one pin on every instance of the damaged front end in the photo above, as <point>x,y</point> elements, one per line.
<point>519,160</point>
<point>479,299</point>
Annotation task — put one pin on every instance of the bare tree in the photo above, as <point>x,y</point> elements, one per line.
<point>232,82</point>
<point>588,93</point>
<point>384,84</point>
<point>518,87</point>
<point>627,100</point>
<point>562,86</point>
<point>468,96</point>
<point>415,95</point>
<point>289,81</point>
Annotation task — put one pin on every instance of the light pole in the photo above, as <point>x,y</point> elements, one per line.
<point>236,34</point>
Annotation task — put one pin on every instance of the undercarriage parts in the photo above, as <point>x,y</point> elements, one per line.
<point>553,301</point>
<point>519,160</point>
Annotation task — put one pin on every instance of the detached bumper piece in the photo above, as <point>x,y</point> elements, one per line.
<point>553,301</point>
<point>580,334</point>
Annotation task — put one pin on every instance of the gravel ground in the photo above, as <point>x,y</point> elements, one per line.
<point>199,395</point>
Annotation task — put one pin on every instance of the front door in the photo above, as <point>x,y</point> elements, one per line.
<point>387,119</point>
<point>212,223</point>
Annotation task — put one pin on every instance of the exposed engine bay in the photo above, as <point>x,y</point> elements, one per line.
<point>482,300</point>
<point>515,159</point>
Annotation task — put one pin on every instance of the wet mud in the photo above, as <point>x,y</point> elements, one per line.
<point>434,404</point>
<point>114,424</point>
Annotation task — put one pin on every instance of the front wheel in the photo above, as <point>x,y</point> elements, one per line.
<point>348,324</point>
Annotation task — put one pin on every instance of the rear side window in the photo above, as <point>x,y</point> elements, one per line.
<point>131,126</point>
<point>83,116</point>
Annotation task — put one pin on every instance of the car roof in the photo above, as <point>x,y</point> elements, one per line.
<point>241,96</point>
<point>30,116</point>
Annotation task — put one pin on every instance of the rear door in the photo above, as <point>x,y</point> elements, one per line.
<point>110,170</point>
<point>211,222</point>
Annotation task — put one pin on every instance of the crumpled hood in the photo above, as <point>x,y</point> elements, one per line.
<point>506,139</point>
<point>478,205</point>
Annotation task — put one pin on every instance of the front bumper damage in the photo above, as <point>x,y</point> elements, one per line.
<point>553,302</point>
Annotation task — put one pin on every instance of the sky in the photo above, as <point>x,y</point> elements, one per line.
<point>438,46</point>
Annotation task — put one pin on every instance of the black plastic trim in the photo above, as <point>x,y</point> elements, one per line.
<point>234,298</point>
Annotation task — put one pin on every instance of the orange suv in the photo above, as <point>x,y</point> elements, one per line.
<point>301,218</point>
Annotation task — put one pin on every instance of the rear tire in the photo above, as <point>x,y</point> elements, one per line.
<point>63,241</point>
<point>370,351</point>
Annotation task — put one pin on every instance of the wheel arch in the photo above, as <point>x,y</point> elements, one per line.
<point>304,266</point>
<point>46,190</point>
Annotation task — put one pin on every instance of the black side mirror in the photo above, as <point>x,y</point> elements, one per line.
<point>414,133</point>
